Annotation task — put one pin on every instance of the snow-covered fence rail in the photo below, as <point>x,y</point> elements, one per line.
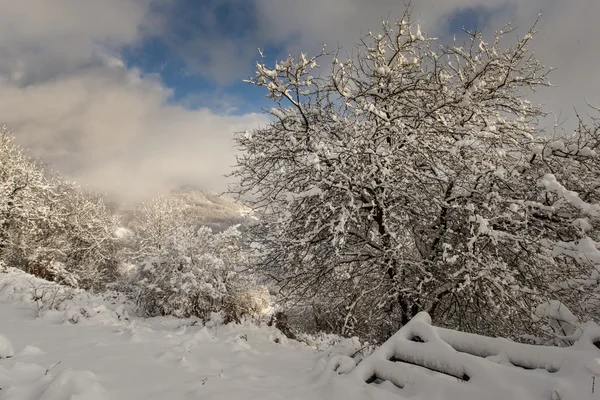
<point>424,359</point>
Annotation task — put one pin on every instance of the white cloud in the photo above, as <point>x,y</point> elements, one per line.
<point>113,129</point>
<point>42,39</point>
<point>68,96</point>
<point>70,99</point>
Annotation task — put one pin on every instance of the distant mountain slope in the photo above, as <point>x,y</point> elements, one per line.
<point>204,207</point>
<point>212,209</point>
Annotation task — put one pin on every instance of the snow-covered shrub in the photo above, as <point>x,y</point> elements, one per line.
<point>250,302</point>
<point>50,296</point>
<point>333,345</point>
<point>188,270</point>
<point>192,274</point>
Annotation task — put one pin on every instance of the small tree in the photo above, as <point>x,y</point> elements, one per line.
<point>406,180</point>
<point>158,221</point>
<point>184,269</point>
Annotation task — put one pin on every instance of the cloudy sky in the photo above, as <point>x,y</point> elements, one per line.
<point>132,97</point>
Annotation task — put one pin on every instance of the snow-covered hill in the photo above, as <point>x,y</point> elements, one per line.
<point>212,209</point>
<point>204,207</point>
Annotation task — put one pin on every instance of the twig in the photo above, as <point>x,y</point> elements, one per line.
<point>50,368</point>
<point>359,350</point>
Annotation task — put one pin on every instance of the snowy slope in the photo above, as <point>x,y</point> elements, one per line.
<point>104,356</point>
<point>59,344</point>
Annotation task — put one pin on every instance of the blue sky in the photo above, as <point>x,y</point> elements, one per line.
<point>193,86</point>
<point>235,21</point>
<point>135,97</point>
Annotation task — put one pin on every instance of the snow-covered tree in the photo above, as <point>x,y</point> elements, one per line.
<point>568,208</point>
<point>158,221</point>
<point>21,182</point>
<point>409,179</point>
<point>87,230</point>
<point>183,268</point>
<point>50,227</point>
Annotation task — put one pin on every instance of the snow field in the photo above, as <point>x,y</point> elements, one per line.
<point>92,349</point>
<point>63,344</point>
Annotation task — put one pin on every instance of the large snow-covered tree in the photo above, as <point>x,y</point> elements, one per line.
<point>408,179</point>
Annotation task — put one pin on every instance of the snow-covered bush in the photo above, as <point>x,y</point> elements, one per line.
<point>191,274</point>
<point>248,302</point>
<point>413,177</point>
<point>50,296</point>
<point>335,345</point>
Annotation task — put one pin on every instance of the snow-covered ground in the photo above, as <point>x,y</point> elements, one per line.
<point>105,356</point>
<point>60,344</point>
